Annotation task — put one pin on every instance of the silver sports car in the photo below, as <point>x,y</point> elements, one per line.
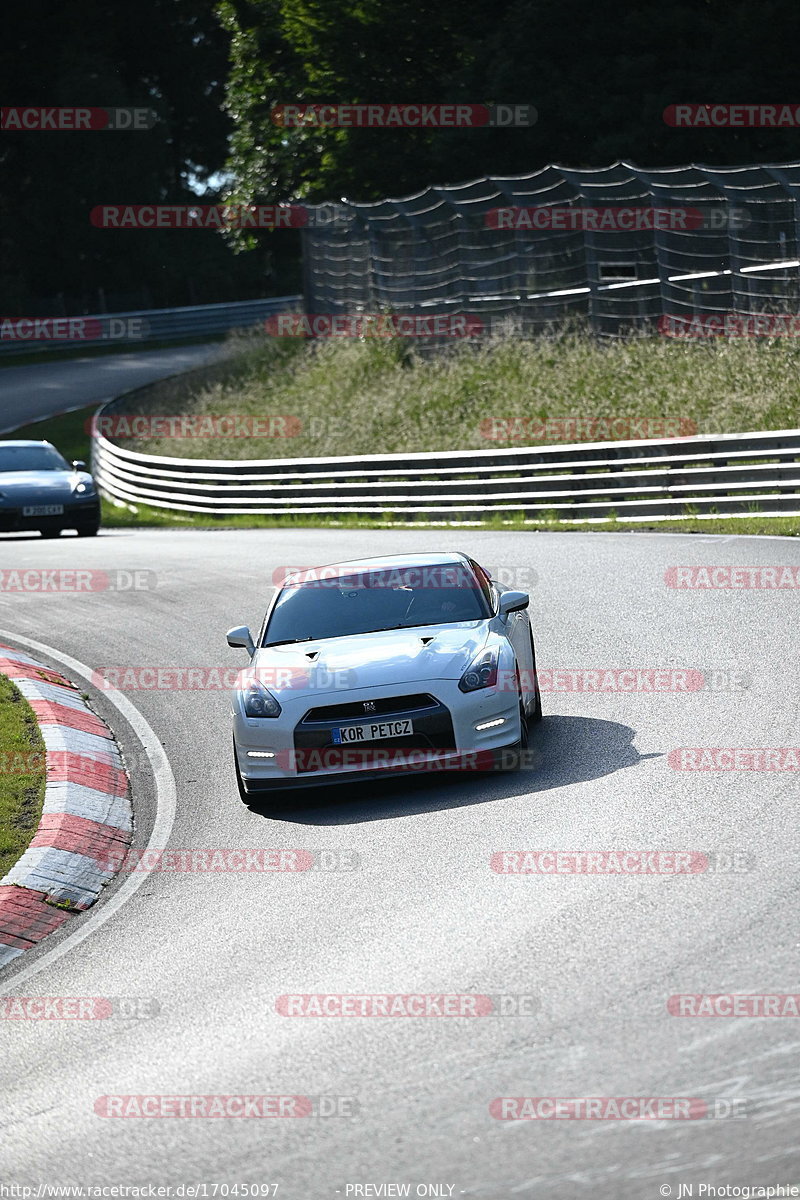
<point>413,662</point>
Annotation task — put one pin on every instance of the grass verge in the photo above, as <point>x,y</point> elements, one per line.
<point>151,518</point>
<point>22,774</point>
<point>378,396</point>
<point>68,432</point>
<point>387,399</point>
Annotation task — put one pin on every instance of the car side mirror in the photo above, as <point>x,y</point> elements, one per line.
<point>513,602</point>
<point>79,464</point>
<point>241,638</point>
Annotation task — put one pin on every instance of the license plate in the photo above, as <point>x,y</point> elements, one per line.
<point>375,731</point>
<point>43,510</point>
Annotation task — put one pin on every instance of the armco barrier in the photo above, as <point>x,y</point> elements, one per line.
<point>711,476</point>
<point>163,324</point>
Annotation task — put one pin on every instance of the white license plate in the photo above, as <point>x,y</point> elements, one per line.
<point>43,510</point>
<point>376,730</point>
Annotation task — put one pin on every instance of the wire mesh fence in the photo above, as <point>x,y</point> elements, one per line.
<point>681,249</point>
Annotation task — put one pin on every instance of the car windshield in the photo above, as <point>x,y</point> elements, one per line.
<point>31,458</point>
<point>334,605</point>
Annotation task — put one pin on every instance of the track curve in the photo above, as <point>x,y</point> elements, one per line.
<point>424,913</point>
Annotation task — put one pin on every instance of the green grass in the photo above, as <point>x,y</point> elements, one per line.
<point>21,780</point>
<point>67,432</point>
<point>354,398</point>
<point>141,517</point>
<point>377,396</point>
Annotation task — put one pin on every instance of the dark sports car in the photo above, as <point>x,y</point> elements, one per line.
<point>40,490</point>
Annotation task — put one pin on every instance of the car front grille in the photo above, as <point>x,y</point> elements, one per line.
<point>313,738</point>
<point>398,706</point>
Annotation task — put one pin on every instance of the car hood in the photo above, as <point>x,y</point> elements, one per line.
<point>397,656</point>
<point>19,486</point>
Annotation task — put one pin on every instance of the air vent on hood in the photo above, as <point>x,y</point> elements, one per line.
<point>312,655</point>
<point>426,640</point>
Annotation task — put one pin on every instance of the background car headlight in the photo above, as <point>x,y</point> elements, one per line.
<point>481,672</point>
<point>84,489</point>
<point>258,702</point>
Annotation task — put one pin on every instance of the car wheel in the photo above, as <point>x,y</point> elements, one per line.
<point>50,531</point>
<point>243,796</point>
<point>89,529</point>
<point>536,715</point>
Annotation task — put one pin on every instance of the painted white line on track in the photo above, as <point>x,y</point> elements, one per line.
<point>162,826</point>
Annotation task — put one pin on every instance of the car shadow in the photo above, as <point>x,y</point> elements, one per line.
<point>563,750</point>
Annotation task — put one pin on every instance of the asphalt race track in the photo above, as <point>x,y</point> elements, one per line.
<point>424,912</point>
<point>33,391</point>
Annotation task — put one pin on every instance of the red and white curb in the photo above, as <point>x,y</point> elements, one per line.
<point>86,820</point>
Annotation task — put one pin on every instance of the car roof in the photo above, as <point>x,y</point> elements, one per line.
<point>24,442</point>
<point>393,562</point>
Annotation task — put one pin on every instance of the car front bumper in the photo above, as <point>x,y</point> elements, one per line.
<point>445,738</point>
<point>75,514</point>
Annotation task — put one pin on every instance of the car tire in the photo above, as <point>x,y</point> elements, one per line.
<point>535,716</point>
<point>243,794</point>
<point>90,529</point>
<point>50,531</point>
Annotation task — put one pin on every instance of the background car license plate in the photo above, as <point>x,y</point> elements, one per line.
<point>43,510</point>
<point>372,732</point>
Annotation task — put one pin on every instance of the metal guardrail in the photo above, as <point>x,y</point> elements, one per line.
<point>722,475</point>
<point>140,327</point>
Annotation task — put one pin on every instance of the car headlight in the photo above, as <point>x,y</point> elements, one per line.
<point>84,489</point>
<point>258,702</point>
<point>481,672</point>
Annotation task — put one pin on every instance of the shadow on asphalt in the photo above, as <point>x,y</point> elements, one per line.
<point>565,750</point>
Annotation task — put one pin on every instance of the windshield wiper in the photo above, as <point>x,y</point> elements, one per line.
<point>288,642</point>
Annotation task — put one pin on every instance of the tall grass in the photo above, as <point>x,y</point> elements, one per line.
<point>377,396</point>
